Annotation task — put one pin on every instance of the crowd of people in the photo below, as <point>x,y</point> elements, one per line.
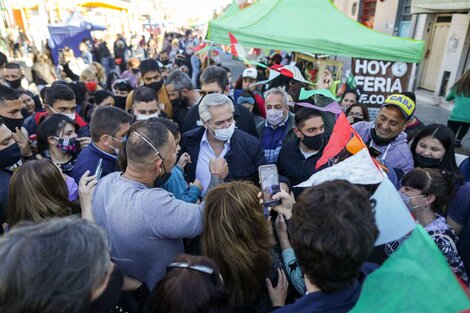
<point>130,184</point>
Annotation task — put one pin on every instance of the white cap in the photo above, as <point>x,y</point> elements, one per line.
<point>250,73</point>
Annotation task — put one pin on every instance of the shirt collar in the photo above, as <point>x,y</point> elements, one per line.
<point>104,152</point>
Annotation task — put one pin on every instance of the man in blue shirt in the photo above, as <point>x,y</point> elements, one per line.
<point>279,121</point>
<point>109,126</point>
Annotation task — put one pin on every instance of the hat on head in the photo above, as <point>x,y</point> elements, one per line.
<point>250,73</point>
<point>404,103</point>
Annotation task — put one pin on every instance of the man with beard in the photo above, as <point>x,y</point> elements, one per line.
<point>182,95</point>
<point>152,77</point>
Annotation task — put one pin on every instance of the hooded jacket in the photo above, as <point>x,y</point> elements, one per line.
<point>396,155</point>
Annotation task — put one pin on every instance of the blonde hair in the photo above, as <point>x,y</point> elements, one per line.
<point>236,235</point>
<point>99,72</point>
<point>88,73</point>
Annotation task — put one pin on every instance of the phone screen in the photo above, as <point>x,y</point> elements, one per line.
<point>374,152</point>
<point>99,169</point>
<point>269,180</point>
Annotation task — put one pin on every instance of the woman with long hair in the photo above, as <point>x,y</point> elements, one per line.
<point>192,285</point>
<point>434,147</point>
<point>237,237</point>
<point>459,120</point>
<point>38,191</point>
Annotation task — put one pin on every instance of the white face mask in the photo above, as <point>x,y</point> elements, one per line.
<point>275,117</point>
<point>70,116</point>
<point>141,117</point>
<point>224,134</point>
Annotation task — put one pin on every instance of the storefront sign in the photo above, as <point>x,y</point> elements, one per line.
<point>378,79</point>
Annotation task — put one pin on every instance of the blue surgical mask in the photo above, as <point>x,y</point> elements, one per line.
<point>407,199</point>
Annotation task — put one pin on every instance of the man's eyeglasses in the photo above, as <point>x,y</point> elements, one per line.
<point>195,267</point>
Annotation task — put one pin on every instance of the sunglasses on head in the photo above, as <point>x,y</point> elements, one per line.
<point>195,267</point>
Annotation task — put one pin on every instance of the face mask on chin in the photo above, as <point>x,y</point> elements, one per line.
<point>426,162</point>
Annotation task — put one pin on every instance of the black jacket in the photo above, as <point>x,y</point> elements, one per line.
<point>243,118</point>
<point>243,159</point>
<point>293,165</point>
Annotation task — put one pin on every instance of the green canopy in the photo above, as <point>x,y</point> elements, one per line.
<point>312,26</point>
<point>232,9</point>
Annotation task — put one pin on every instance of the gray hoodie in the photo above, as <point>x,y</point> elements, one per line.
<point>396,155</point>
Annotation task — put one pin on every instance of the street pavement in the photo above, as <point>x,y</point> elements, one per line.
<point>429,110</point>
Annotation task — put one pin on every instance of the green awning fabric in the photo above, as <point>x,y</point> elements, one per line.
<point>312,26</point>
<point>439,6</point>
<point>232,9</point>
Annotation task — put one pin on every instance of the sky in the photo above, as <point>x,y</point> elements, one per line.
<point>185,9</point>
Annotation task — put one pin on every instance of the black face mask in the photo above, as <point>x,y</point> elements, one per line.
<point>12,123</point>
<point>120,102</point>
<point>357,119</point>
<point>155,85</point>
<point>15,84</point>
<point>380,141</point>
<point>109,299</point>
<point>165,62</point>
<point>135,71</point>
<point>425,162</point>
<point>162,179</point>
<point>10,156</point>
<point>314,142</point>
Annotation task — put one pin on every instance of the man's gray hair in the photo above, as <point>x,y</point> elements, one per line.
<point>211,100</point>
<point>179,81</point>
<point>278,91</point>
<point>52,266</point>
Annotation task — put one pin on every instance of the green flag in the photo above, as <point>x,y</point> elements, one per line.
<point>305,94</point>
<point>416,278</point>
<point>351,82</point>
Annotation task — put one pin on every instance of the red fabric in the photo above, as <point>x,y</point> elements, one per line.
<point>260,104</point>
<point>282,70</point>
<point>78,119</point>
<point>233,43</point>
<point>339,139</point>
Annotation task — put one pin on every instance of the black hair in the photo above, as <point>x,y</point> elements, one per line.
<point>122,85</point>
<point>107,120</point>
<point>172,126</point>
<point>100,95</point>
<point>431,181</point>
<point>144,94</point>
<point>13,66</point>
<point>58,92</point>
<point>3,60</point>
<point>447,138</point>
<point>365,111</point>
<point>410,95</point>
<point>80,91</point>
<point>51,126</point>
<point>8,94</point>
<point>215,74</point>
<point>110,79</point>
<point>303,114</point>
<point>149,65</point>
